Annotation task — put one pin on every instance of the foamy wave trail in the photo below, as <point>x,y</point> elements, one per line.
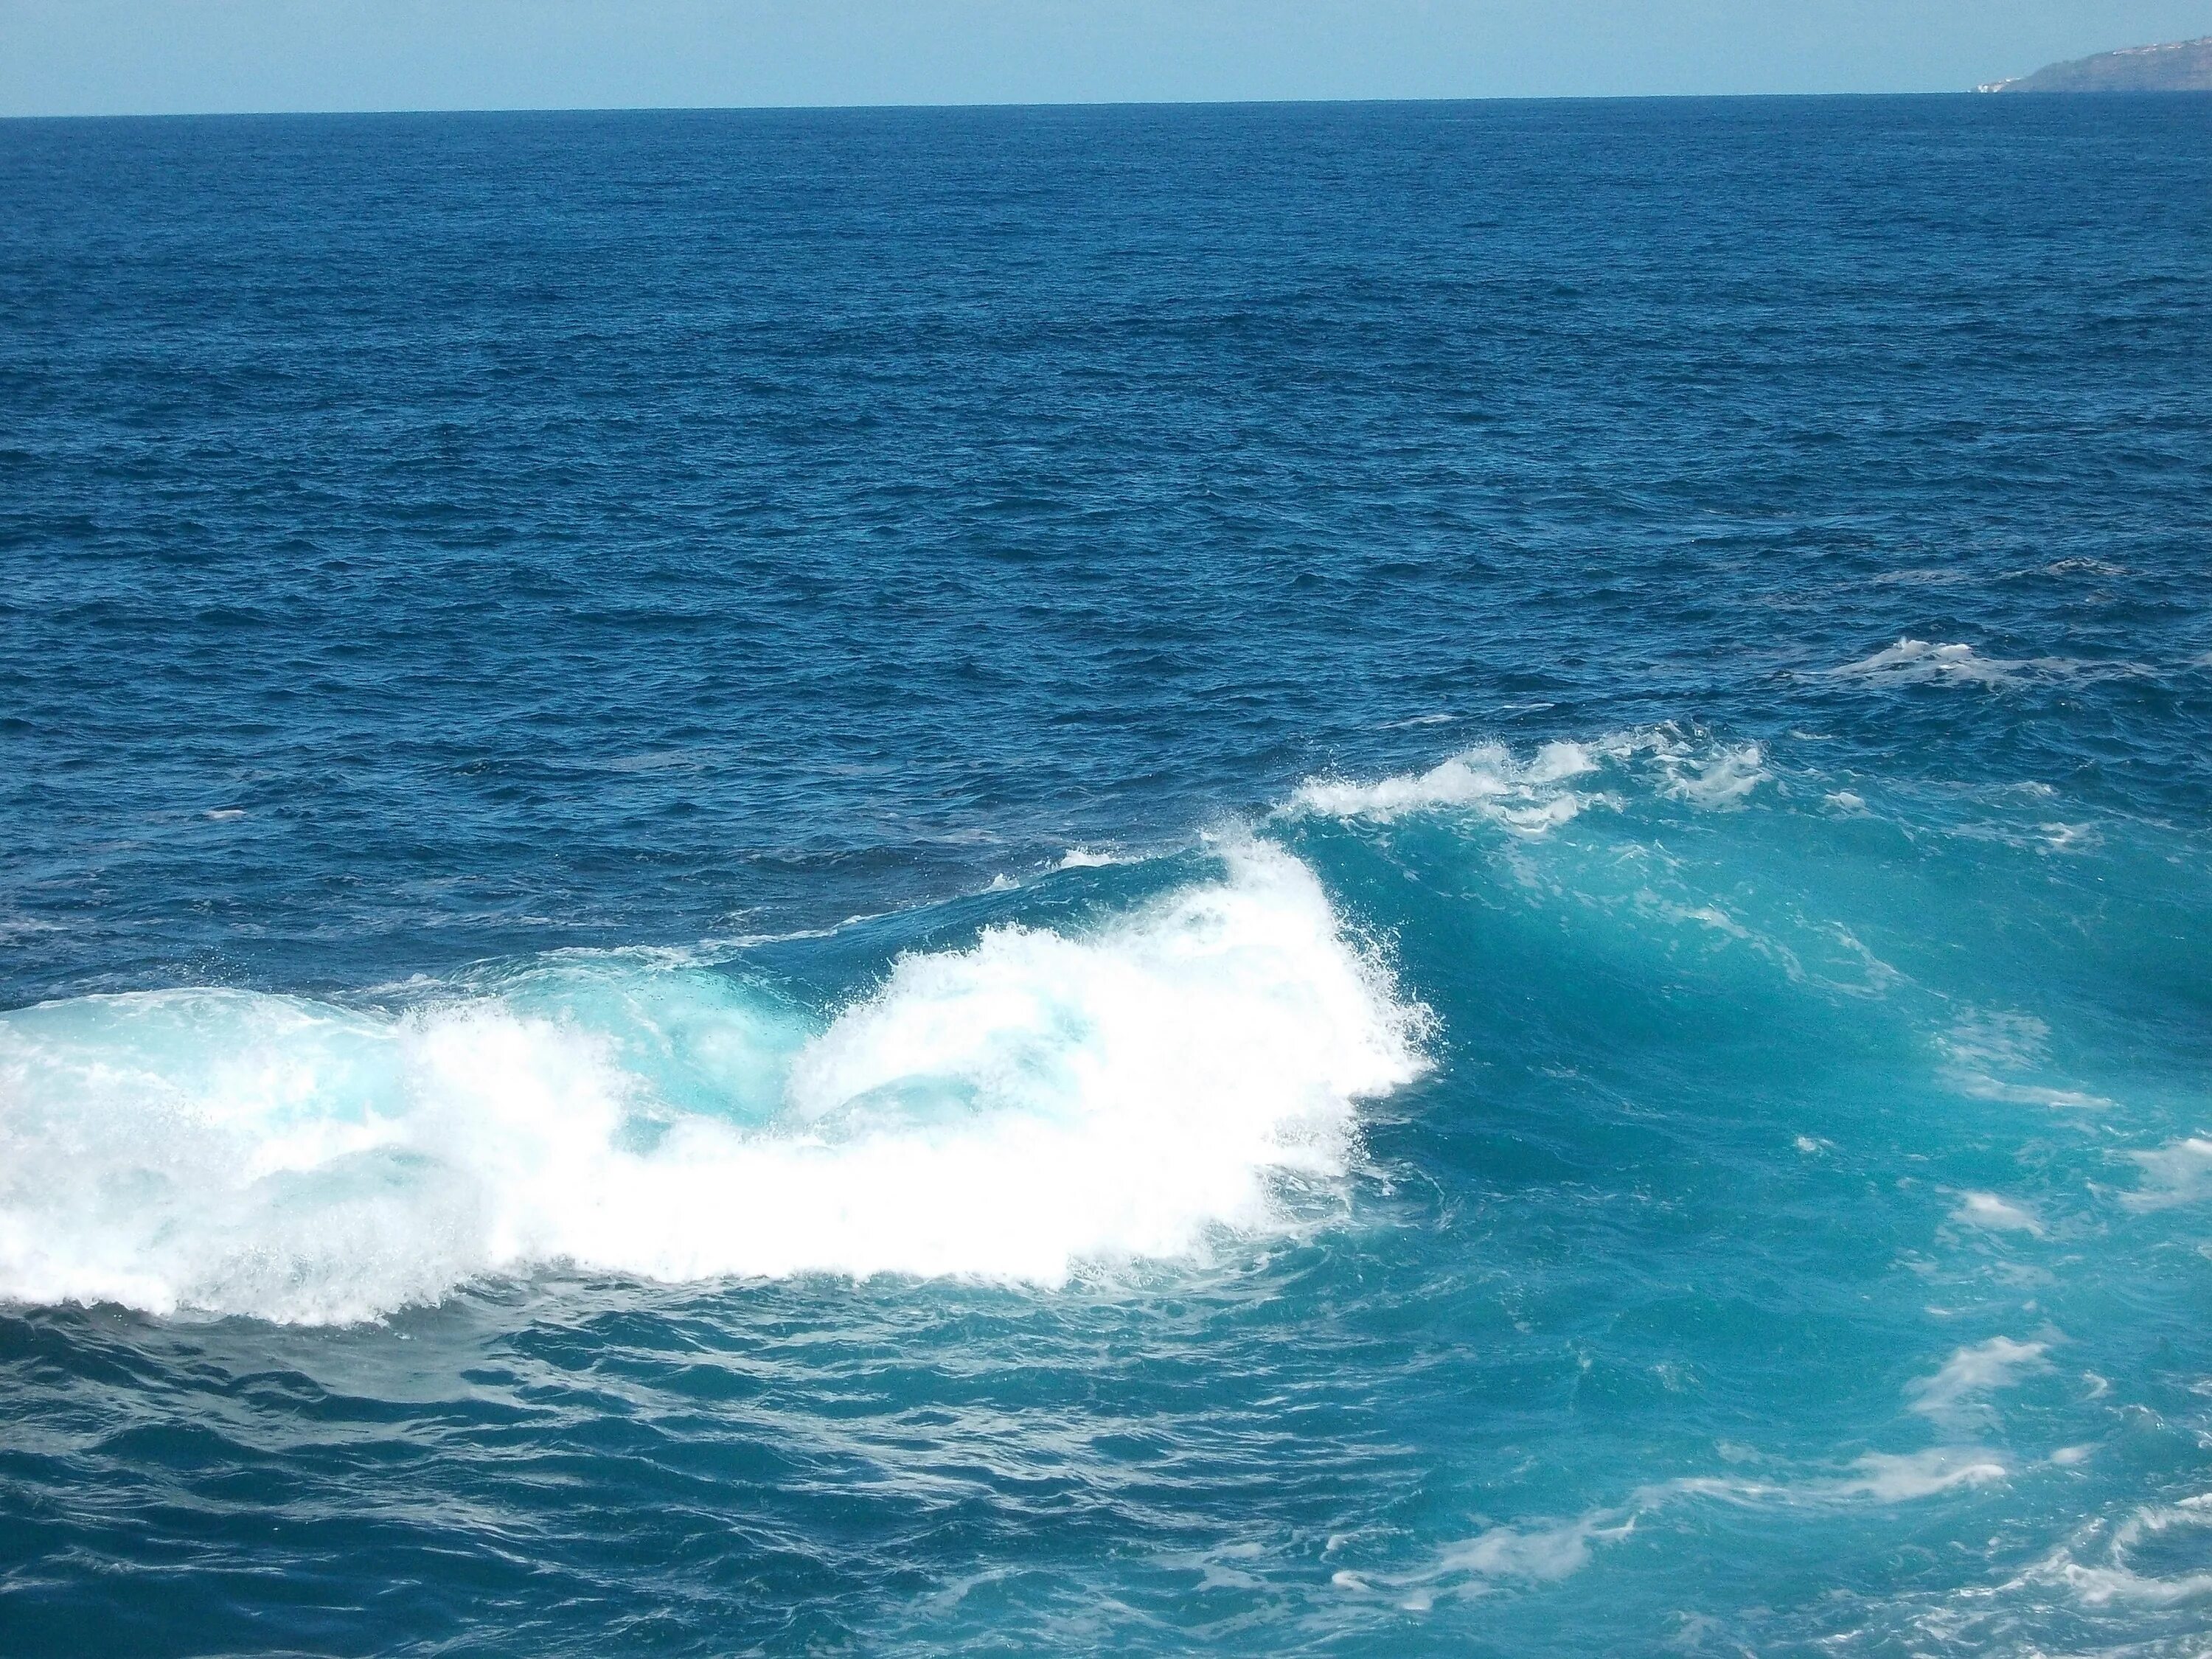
<point>1010,1110</point>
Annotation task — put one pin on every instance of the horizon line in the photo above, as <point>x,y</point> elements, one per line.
<point>1974,92</point>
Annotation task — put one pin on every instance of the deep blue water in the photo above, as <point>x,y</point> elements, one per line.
<point>1369,879</point>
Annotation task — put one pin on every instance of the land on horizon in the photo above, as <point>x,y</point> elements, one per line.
<point>2170,66</point>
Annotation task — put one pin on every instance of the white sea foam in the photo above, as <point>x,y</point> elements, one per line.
<point>1552,786</point>
<point>1010,1110</point>
<point>1874,1478</point>
<point>1988,1210</point>
<point>2104,1564</point>
<point>1886,1478</point>
<point>2179,1172</point>
<point>1495,1557</point>
<point>1539,1554</point>
<point>1951,1393</point>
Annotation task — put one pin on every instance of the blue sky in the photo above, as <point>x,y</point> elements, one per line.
<point>107,57</point>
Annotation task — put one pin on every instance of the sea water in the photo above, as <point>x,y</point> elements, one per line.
<point>1367,879</point>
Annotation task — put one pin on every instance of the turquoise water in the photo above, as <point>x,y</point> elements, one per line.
<point>1388,880</point>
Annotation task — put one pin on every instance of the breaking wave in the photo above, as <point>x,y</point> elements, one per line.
<point>1010,1110</point>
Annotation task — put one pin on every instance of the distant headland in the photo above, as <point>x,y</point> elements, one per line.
<point>2177,66</point>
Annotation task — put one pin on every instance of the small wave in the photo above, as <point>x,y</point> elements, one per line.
<point>1924,662</point>
<point>1921,662</point>
<point>1553,786</point>
<point>1980,1047</point>
<point>1008,1111</point>
<point>1087,858</point>
<point>1525,795</point>
<point>1545,1554</point>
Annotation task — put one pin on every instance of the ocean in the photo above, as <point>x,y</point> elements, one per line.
<point>1358,879</point>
